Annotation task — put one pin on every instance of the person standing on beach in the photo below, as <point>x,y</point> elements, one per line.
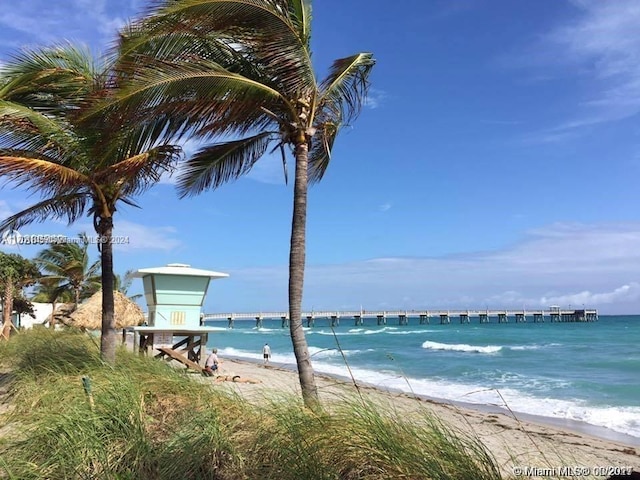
<point>266,353</point>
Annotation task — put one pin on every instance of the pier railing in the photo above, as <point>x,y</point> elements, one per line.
<point>424,316</point>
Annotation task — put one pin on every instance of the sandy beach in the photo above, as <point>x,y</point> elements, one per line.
<point>519,444</point>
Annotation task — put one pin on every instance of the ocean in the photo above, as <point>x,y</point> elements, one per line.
<point>579,373</point>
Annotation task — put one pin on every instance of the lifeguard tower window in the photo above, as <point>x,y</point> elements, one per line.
<point>178,318</point>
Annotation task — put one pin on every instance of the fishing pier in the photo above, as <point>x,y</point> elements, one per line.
<point>332,318</point>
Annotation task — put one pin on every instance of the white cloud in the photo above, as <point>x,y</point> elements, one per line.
<point>139,237</point>
<point>143,237</point>
<point>561,264</point>
<point>625,293</point>
<point>375,97</point>
<point>385,207</point>
<point>601,45</point>
<point>46,22</point>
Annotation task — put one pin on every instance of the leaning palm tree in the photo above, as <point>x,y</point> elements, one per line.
<point>75,165</point>
<point>237,76</point>
<point>67,264</point>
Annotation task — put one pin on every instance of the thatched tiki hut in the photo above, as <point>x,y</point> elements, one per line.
<point>89,314</point>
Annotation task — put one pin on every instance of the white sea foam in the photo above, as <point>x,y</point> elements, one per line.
<point>254,330</point>
<point>460,347</point>
<point>357,331</point>
<point>316,352</point>
<point>620,419</point>
<point>525,347</point>
<point>413,332</point>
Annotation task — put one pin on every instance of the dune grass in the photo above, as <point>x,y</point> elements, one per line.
<point>146,420</point>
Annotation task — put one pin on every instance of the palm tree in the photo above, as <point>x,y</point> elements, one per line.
<point>67,265</point>
<point>122,284</point>
<point>238,77</point>
<point>50,291</point>
<point>75,165</point>
<point>16,272</point>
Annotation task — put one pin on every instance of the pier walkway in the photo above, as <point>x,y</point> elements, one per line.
<point>423,316</point>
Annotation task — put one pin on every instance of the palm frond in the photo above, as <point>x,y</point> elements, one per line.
<point>301,13</point>
<point>198,95</point>
<point>136,174</point>
<point>25,132</point>
<point>137,45</point>
<point>217,164</point>
<point>262,32</point>
<point>41,78</point>
<point>320,153</point>
<point>345,88</point>
<point>40,174</point>
<point>22,116</point>
<point>151,164</point>
<point>68,207</point>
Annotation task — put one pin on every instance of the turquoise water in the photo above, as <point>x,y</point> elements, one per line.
<point>588,372</point>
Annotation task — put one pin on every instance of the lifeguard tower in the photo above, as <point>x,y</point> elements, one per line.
<point>175,295</point>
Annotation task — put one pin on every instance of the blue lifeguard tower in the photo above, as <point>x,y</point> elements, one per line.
<point>175,295</point>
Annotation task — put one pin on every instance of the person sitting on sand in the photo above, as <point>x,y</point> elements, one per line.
<point>211,364</point>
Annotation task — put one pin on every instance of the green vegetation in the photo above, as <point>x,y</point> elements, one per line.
<point>146,420</point>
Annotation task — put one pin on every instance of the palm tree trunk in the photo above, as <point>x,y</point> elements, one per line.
<point>296,278</point>
<point>108,338</point>
<point>7,308</point>
<point>52,323</point>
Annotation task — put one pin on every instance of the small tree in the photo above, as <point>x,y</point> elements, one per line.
<point>16,272</point>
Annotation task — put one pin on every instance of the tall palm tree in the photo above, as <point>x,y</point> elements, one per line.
<point>238,77</point>
<point>67,264</point>
<point>75,165</point>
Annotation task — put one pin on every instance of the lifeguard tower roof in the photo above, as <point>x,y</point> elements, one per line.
<point>178,269</point>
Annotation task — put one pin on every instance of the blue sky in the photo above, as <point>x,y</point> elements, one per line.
<point>495,164</point>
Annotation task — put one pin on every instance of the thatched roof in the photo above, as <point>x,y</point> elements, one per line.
<point>89,314</point>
